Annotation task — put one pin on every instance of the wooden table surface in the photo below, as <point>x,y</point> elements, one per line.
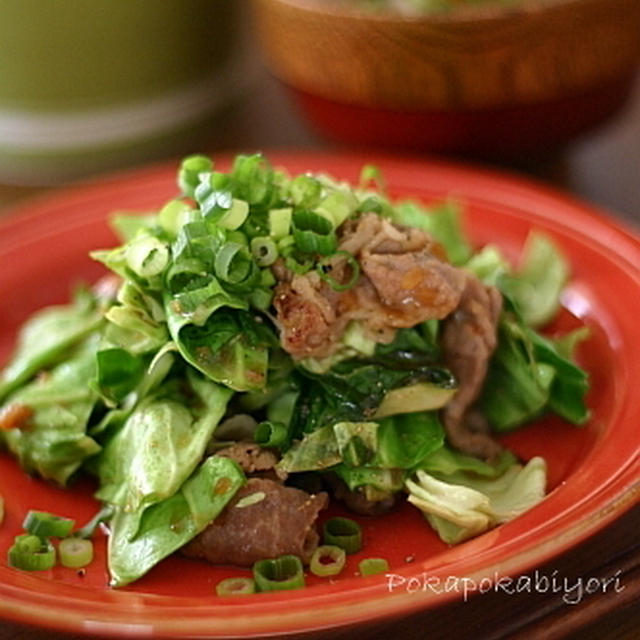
<point>602,168</point>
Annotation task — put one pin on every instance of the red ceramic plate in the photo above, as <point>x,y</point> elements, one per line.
<point>593,469</point>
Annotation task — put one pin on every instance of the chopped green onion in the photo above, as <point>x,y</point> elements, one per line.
<point>325,264</point>
<point>238,237</point>
<point>253,178</point>
<point>270,434</point>
<point>327,560</point>
<point>189,172</point>
<point>313,233</point>
<point>337,207</point>
<point>147,256</point>
<point>261,299</point>
<point>31,553</point>
<point>278,574</point>
<point>250,500</point>
<point>264,250</point>
<point>280,222</point>
<point>235,215</point>
<point>344,533</point>
<point>75,552</point>
<point>286,245</point>
<point>267,279</point>
<point>46,525</point>
<point>371,204</point>
<point>299,268</point>
<point>372,566</point>
<point>305,191</point>
<point>236,587</point>
<point>174,215</point>
<point>370,174</point>
<point>232,264</point>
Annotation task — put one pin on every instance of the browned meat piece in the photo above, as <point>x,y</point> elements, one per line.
<point>404,281</point>
<point>305,313</point>
<point>264,520</point>
<point>468,340</point>
<point>414,287</point>
<point>252,458</point>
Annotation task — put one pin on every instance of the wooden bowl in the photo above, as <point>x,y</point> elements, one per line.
<point>487,78</point>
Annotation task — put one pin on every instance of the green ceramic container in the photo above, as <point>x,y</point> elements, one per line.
<point>87,85</point>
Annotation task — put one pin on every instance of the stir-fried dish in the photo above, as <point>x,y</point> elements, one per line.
<point>266,343</point>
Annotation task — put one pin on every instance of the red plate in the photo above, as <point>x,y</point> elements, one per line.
<point>593,469</point>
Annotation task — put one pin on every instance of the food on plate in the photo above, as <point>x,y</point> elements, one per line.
<point>265,343</point>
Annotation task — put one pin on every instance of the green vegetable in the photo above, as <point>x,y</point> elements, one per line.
<point>231,348</point>
<point>313,233</point>
<point>31,553</point>
<point>264,250</point>
<point>236,587</point>
<point>279,574</point>
<point>47,525</point>
<point>465,504</point>
<point>527,375</point>
<point>324,267</point>
<point>159,445</point>
<point>343,533</point>
<point>373,566</point>
<point>353,390</point>
<point>421,396</point>
<point>536,287</point>
<point>47,337</point>
<point>138,541</point>
<point>75,552</point>
<point>57,444</point>
<point>327,560</point>
<point>270,434</point>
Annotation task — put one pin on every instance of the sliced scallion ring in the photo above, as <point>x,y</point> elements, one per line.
<point>75,552</point>
<point>373,566</point>
<point>235,215</point>
<point>324,266</point>
<point>344,533</point>
<point>279,574</point>
<point>264,250</point>
<point>232,264</point>
<point>314,233</point>
<point>190,170</point>
<point>261,299</point>
<point>47,525</point>
<point>147,256</point>
<point>270,434</point>
<point>327,560</point>
<point>236,587</point>
<point>280,222</point>
<point>31,553</point>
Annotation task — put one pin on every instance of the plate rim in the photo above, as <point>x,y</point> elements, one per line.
<point>621,491</point>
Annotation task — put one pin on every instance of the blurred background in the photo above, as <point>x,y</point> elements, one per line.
<point>547,88</point>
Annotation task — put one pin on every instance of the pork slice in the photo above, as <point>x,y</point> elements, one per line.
<point>404,280</point>
<point>305,308</point>
<point>413,287</point>
<point>264,519</point>
<point>469,337</point>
